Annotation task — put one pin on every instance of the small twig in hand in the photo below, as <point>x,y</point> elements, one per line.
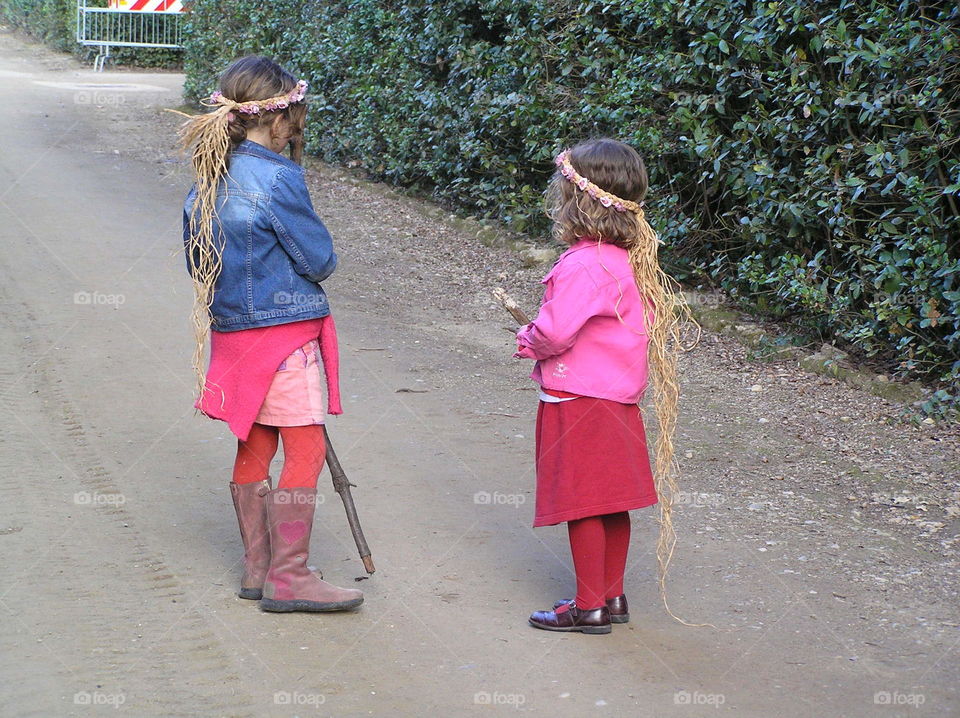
<point>511,306</point>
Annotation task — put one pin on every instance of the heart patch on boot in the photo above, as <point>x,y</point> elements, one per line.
<point>292,531</point>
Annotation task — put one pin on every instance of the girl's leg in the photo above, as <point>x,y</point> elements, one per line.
<point>616,529</point>
<point>255,454</point>
<point>290,585</point>
<point>251,482</point>
<point>304,451</point>
<point>588,546</point>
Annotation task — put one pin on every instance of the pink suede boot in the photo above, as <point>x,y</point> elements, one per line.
<point>290,585</point>
<point>249,501</point>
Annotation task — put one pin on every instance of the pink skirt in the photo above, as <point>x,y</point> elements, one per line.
<point>295,397</point>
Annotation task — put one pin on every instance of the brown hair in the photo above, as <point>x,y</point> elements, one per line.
<point>613,166</point>
<point>617,168</point>
<point>256,78</point>
<point>213,135</point>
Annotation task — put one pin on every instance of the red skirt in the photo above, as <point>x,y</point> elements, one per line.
<point>591,460</point>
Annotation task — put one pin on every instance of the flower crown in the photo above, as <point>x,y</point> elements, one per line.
<point>607,199</point>
<point>255,107</point>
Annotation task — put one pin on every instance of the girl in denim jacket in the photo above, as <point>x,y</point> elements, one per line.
<point>256,251</point>
<point>606,307</point>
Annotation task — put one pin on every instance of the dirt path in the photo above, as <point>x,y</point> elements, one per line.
<point>818,531</point>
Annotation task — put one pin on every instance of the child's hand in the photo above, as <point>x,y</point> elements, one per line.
<point>523,351</point>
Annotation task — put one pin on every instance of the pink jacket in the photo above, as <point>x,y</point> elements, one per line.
<point>580,344</point>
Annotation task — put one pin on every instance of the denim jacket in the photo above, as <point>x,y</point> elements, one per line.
<point>275,249</point>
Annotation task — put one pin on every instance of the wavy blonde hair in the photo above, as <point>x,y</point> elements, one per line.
<point>617,168</point>
<point>213,136</point>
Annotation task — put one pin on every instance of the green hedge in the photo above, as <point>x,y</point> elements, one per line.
<point>803,156</point>
<point>54,22</point>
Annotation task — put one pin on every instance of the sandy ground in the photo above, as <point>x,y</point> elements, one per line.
<point>817,531</point>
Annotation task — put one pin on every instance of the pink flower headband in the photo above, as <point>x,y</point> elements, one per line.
<point>255,107</point>
<point>605,198</point>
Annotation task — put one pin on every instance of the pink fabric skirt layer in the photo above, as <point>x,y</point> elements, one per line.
<point>295,397</point>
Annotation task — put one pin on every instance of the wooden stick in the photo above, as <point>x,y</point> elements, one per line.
<point>341,485</point>
<point>511,306</point>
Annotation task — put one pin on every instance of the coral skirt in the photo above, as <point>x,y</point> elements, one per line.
<point>295,396</point>
<point>591,459</point>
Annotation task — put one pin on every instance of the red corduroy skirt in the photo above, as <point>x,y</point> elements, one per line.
<point>591,459</point>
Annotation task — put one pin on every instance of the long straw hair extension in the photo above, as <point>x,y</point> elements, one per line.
<point>618,169</point>
<point>212,136</point>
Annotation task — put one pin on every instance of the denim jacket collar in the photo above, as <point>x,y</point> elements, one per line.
<point>249,147</point>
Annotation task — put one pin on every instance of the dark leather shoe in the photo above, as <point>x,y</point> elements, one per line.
<point>570,618</point>
<point>619,613</point>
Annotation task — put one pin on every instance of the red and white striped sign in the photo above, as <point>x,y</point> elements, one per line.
<point>148,5</point>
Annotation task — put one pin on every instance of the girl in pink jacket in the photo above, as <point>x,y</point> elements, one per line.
<point>607,306</point>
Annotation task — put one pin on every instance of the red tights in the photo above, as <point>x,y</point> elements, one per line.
<point>599,546</point>
<point>304,450</point>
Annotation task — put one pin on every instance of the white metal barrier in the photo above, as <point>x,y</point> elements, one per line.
<point>128,23</point>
